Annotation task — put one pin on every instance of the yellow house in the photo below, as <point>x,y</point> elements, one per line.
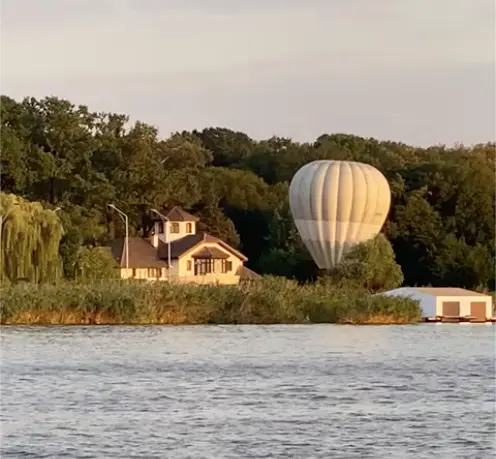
<point>176,252</point>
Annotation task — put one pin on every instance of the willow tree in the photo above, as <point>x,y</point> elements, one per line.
<point>29,240</point>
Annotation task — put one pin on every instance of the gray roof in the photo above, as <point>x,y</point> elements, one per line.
<point>176,214</point>
<point>180,246</point>
<point>246,274</point>
<point>447,291</point>
<point>206,253</point>
<point>142,254</point>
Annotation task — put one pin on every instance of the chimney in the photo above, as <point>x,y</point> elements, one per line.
<point>155,240</point>
<point>155,235</point>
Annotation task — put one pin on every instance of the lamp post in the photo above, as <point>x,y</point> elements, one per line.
<point>126,221</point>
<point>165,219</point>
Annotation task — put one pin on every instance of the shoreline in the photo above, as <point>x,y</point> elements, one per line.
<point>15,323</point>
<point>155,324</point>
<point>69,318</point>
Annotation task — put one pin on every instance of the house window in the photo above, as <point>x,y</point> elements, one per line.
<point>203,267</point>
<point>226,266</point>
<point>189,228</point>
<point>175,228</point>
<point>153,272</point>
<point>188,265</point>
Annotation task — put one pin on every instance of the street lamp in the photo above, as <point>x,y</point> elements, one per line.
<point>165,219</point>
<point>126,221</point>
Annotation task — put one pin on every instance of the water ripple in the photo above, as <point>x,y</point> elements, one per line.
<point>248,392</point>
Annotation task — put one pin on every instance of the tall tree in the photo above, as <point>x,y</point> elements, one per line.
<point>61,154</point>
<point>30,236</point>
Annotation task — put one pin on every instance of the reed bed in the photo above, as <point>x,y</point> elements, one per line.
<point>268,301</point>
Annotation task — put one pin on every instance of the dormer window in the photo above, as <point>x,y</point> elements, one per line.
<point>189,228</point>
<point>174,228</point>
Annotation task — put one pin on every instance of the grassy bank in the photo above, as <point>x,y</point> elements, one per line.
<point>272,300</point>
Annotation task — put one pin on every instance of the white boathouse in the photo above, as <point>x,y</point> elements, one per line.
<point>448,302</point>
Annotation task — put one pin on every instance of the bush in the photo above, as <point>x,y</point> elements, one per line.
<point>370,265</point>
<point>94,263</point>
<point>271,300</point>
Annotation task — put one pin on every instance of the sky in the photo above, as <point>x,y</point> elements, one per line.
<point>420,72</point>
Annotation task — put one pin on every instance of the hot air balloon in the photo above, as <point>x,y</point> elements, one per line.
<point>337,205</point>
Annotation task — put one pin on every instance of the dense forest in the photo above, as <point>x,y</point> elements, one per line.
<point>441,223</point>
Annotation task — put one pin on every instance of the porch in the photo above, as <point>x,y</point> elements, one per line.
<point>210,260</point>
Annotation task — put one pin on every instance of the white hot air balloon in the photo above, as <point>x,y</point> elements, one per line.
<point>337,205</point>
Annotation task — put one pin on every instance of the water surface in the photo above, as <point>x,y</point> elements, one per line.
<point>310,391</point>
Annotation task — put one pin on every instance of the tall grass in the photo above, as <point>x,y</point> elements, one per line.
<point>271,300</point>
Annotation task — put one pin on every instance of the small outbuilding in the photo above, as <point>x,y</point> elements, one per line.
<point>448,302</point>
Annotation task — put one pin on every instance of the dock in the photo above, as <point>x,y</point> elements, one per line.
<point>458,319</point>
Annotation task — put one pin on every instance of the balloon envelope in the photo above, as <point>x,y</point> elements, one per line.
<point>337,205</point>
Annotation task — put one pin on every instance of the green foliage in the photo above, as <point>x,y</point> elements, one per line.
<point>94,263</point>
<point>416,235</point>
<point>271,300</point>
<point>466,266</point>
<point>218,225</point>
<point>29,240</point>
<point>287,255</point>
<point>441,223</point>
<point>371,266</point>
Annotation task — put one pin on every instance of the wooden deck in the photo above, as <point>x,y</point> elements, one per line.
<point>457,320</point>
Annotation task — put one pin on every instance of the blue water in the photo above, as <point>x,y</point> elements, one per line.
<point>311,391</point>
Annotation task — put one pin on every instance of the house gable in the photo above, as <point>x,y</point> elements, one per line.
<point>210,241</point>
<point>185,245</point>
<point>209,259</point>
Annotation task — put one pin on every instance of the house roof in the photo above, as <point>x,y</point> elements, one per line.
<point>177,214</point>
<point>187,243</point>
<point>210,253</point>
<point>141,254</point>
<point>446,291</point>
<point>246,274</point>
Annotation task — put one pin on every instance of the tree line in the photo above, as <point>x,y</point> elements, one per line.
<point>441,223</point>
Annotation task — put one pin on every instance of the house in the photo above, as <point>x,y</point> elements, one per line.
<point>177,252</point>
<point>448,302</point>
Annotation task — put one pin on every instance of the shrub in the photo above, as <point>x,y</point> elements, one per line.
<point>271,300</point>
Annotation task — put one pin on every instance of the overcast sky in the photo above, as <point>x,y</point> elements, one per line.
<point>418,71</point>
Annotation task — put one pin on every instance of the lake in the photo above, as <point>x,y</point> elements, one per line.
<point>299,391</point>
